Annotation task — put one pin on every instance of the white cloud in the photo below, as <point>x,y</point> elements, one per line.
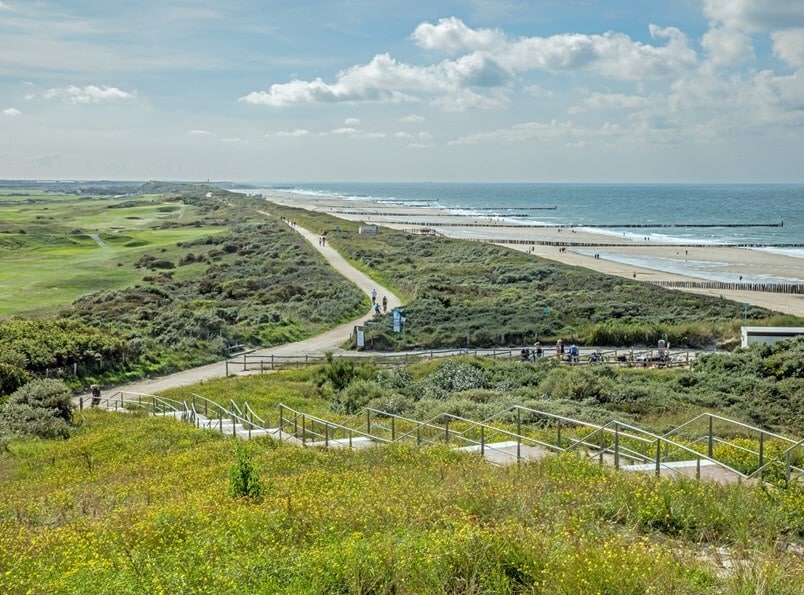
<point>598,101</point>
<point>298,132</point>
<point>756,15</point>
<point>30,96</point>
<point>4,6</point>
<point>726,46</point>
<point>403,135</point>
<point>788,45</point>
<point>451,35</point>
<point>199,132</point>
<point>351,121</point>
<point>356,133</point>
<point>412,119</point>
<point>12,112</point>
<point>484,77</point>
<point>613,55</point>
<point>88,94</point>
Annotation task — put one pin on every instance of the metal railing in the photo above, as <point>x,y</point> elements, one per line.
<point>508,433</point>
<point>253,362</point>
<point>707,437</point>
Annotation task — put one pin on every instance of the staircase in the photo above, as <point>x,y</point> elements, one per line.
<point>514,435</point>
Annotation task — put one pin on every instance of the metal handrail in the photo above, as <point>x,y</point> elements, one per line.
<point>328,424</point>
<point>777,459</point>
<point>657,439</point>
<point>734,422</point>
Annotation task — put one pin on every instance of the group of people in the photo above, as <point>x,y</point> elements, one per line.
<point>376,305</point>
<point>571,354</point>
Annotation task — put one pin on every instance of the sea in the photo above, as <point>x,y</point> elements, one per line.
<point>703,214</point>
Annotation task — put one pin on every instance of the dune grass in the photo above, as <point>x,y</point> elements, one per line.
<point>134,504</point>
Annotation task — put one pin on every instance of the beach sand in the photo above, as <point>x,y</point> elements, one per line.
<point>631,261</point>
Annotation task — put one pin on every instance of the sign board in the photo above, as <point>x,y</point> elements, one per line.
<point>361,336</point>
<point>397,321</point>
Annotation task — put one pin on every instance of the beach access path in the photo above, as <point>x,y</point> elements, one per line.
<point>330,341</point>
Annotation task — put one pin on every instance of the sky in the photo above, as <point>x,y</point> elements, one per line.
<point>403,90</point>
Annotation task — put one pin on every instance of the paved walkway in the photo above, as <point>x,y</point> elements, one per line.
<point>330,341</point>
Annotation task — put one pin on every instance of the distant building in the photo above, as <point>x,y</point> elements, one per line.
<point>768,334</point>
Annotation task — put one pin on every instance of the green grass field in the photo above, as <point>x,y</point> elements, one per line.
<point>55,248</point>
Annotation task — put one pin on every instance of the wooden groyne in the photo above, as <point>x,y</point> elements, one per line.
<point>789,288</point>
<point>571,244</point>
<point>577,225</point>
<point>428,215</point>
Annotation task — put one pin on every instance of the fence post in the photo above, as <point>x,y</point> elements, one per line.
<point>558,433</point>
<point>518,435</point>
<point>304,431</point>
<point>326,435</point>
<point>787,469</point>
<point>658,456</point>
<point>368,421</point>
<point>761,452</point>
<point>393,430</point>
<point>602,445</point>
<point>418,435</point>
<point>710,446</point>
<point>482,441</point>
<point>446,432</point>
<point>244,362</point>
<point>227,368</point>
<point>616,446</point>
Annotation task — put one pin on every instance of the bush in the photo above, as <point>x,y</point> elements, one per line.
<point>357,395</point>
<point>21,419</point>
<point>244,476</point>
<point>12,378</point>
<point>49,394</point>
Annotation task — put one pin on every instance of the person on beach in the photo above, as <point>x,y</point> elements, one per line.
<point>385,303</point>
<point>374,296</point>
<point>559,349</point>
<point>96,395</point>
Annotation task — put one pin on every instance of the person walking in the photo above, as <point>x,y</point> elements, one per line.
<point>559,349</point>
<point>385,303</point>
<point>96,395</point>
<point>373,297</point>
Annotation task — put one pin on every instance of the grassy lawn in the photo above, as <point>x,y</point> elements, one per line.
<point>56,248</point>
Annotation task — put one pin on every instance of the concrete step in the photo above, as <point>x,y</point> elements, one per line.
<point>505,453</point>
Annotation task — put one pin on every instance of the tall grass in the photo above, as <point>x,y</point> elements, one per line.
<point>133,504</point>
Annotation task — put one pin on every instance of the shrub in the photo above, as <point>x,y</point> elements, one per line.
<point>244,476</point>
<point>21,419</point>
<point>46,394</point>
<point>11,378</point>
<point>356,396</point>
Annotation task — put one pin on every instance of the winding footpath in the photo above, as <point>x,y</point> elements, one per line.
<point>319,345</point>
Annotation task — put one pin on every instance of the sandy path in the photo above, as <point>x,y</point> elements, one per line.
<point>330,341</point>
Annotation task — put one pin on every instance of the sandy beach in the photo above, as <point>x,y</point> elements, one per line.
<point>603,252</point>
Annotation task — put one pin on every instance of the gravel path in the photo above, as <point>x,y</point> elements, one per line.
<point>330,341</point>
